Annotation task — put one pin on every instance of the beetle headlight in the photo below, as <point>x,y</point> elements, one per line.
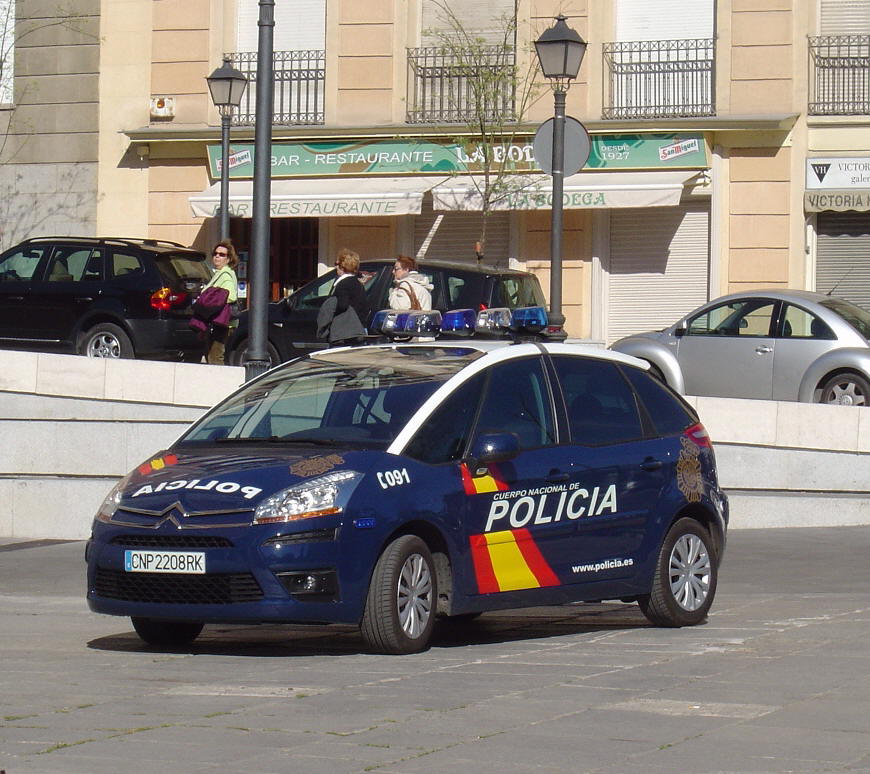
<point>319,497</point>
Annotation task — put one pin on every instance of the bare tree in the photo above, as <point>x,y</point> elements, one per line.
<point>490,93</point>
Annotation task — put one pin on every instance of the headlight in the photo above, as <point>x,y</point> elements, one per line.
<point>113,500</point>
<point>318,497</point>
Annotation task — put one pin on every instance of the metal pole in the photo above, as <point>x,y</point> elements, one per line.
<point>556,319</point>
<point>225,173</point>
<point>257,359</point>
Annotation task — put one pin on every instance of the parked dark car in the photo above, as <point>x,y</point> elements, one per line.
<point>292,322</point>
<point>101,297</point>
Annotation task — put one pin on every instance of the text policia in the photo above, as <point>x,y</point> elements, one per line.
<point>548,504</point>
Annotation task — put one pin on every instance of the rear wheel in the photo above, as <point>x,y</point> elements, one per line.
<point>106,340</point>
<point>849,389</point>
<point>240,352</point>
<point>400,606</point>
<point>684,583</point>
<point>166,633</point>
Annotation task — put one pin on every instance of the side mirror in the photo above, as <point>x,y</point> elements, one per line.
<point>680,330</point>
<point>492,447</point>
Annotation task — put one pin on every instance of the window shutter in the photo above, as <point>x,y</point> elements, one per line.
<point>663,19</point>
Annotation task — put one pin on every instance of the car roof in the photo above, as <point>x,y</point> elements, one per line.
<point>780,294</point>
<point>474,268</point>
<point>151,245</point>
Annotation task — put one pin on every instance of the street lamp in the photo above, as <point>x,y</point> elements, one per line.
<point>560,51</point>
<point>227,85</point>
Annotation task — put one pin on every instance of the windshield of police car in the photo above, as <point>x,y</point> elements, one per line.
<point>360,398</point>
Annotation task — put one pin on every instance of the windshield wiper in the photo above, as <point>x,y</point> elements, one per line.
<point>281,439</point>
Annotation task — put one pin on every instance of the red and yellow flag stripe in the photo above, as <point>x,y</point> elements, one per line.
<point>491,481</point>
<point>509,561</point>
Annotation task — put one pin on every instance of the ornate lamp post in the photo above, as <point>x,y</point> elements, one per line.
<point>227,85</point>
<point>560,51</point>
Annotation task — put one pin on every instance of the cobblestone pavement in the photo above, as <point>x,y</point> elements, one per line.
<point>778,680</point>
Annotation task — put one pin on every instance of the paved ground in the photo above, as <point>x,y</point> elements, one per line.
<point>777,681</point>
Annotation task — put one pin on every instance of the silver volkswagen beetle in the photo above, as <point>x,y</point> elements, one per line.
<point>774,344</point>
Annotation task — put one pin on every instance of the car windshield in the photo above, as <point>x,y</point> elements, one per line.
<point>857,317</point>
<point>359,398</point>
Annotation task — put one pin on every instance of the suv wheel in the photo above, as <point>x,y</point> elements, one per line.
<point>240,352</point>
<point>106,340</point>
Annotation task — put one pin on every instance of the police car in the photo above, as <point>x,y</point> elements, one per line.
<point>393,484</point>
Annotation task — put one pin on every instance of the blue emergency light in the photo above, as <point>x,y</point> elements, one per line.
<point>497,323</point>
<point>389,322</point>
<point>459,322</point>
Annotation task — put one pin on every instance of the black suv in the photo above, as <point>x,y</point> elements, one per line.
<point>293,321</point>
<point>101,297</point>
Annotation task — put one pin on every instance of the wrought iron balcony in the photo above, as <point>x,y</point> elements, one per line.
<point>451,88</point>
<point>659,79</point>
<point>839,75</point>
<point>299,78</point>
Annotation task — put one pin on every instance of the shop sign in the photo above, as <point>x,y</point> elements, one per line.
<point>838,173</point>
<point>632,151</point>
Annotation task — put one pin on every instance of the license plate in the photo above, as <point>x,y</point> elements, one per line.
<point>185,562</point>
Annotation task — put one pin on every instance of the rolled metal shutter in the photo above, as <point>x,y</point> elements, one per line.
<point>843,256</point>
<point>659,267</point>
<point>657,19</point>
<point>299,26</point>
<point>457,232</point>
<point>844,17</point>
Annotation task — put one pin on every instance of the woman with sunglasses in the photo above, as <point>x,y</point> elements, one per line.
<point>225,260</point>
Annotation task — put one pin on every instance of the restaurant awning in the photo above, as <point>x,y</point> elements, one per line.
<point>321,197</point>
<point>581,191</point>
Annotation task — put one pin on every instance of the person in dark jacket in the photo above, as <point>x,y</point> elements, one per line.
<point>342,320</point>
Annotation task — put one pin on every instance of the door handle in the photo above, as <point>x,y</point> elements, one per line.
<point>651,463</point>
<point>15,298</point>
<point>556,476</point>
<point>764,349</point>
<point>84,299</point>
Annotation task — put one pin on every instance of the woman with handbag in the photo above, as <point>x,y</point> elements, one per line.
<point>411,289</point>
<point>225,260</point>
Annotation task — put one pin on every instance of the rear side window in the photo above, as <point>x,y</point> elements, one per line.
<point>75,264</point>
<point>464,291</point>
<point>517,291</point>
<point>669,414</point>
<point>601,405</point>
<point>124,264</point>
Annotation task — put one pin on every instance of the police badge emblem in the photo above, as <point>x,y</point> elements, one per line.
<point>316,466</point>
<point>689,479</point>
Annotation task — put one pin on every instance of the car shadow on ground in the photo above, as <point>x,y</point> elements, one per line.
<point>279,641</point>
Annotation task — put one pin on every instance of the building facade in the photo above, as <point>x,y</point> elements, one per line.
<point>729,140</point>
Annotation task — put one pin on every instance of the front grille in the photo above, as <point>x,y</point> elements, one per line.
<point>172,541</point>
<point>177,589</point>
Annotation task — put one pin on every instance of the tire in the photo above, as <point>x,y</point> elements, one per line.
<point>400,606</point>
<point>848,389</point>
<point>106,340</point>
<point>684,582</point>
<point>240,352</point>
<point>167,634</point>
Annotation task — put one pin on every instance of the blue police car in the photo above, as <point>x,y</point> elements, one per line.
<point>393,484</point>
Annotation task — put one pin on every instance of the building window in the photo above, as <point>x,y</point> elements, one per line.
<point>649,73</point>
<point>840,60</point>
<point>7,50</point>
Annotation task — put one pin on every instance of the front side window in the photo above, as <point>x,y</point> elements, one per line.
<point>518,401</point>
<point>444,435</point>
<point>21,265</point>
<point>601,405</point>
<point>747,317</point>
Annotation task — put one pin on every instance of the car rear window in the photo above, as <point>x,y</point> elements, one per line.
<point>857,317</point>
<point>176,267</point>
<point>669,414</point>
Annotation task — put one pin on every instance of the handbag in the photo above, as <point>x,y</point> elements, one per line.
<point>211,304</point>
<point>415,303</point>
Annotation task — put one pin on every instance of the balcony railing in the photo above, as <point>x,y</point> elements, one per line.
<point>299,77</point>
<point>839,75</point>
<point>659,79</point>
<point>451,88</point>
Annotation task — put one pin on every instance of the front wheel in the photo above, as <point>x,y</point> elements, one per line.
<point>240,352</point>
<point>167,634</point>
<point>849,389</point>
<point>106,340</point>
<point>684,582</point>
<point>400,606</point>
